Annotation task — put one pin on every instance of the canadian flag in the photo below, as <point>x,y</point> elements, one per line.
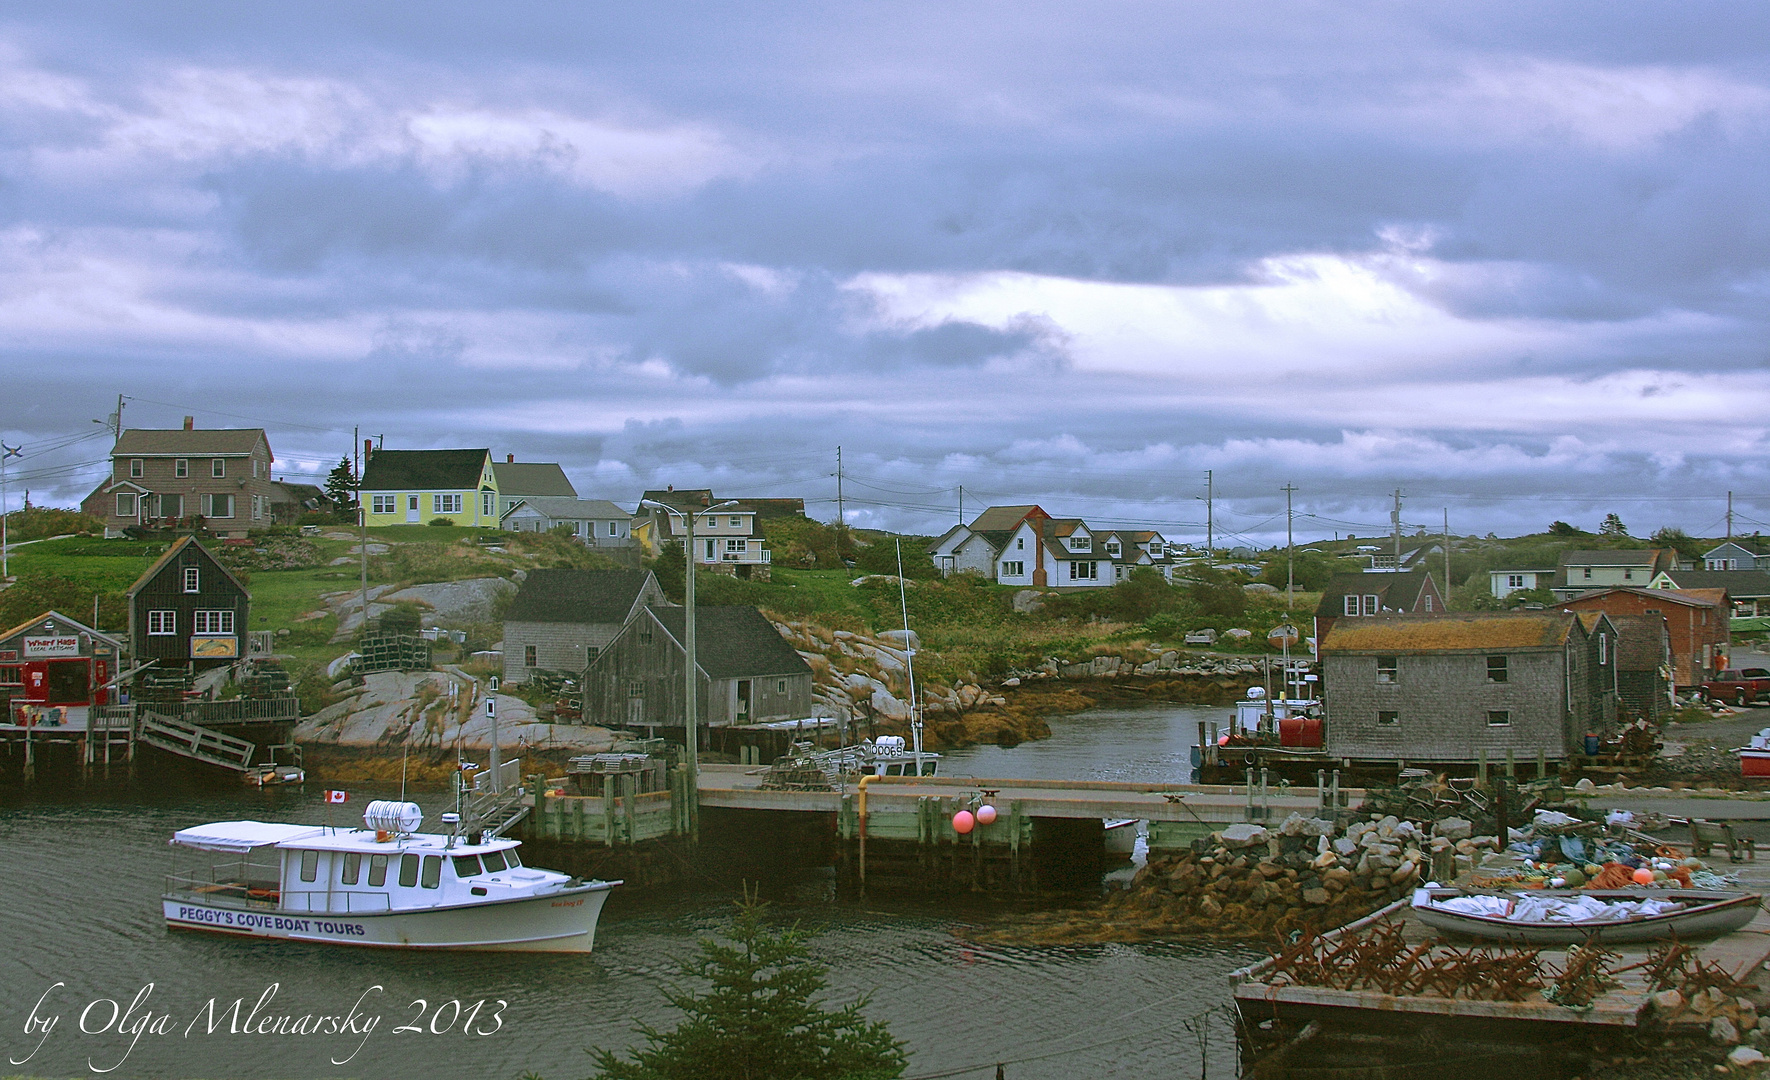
<point>337,796</point>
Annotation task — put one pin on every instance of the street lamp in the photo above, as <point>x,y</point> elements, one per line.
<point>691,691</point>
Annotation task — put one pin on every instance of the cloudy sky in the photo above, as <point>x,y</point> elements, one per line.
<point>1511,260</point>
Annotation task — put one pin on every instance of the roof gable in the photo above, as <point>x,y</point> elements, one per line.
<point>578,596</point>
<point>1624,557</point>
<point>425,470</point>
<point>172,555</point>
<point>733,642</point>
<point>1736,549</point>
<point>76,624</point>
<point>1396,591</point>
<point>1739,584</point>
<point>1005,518</point>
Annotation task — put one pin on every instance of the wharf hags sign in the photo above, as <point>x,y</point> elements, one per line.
<point>53,645</point>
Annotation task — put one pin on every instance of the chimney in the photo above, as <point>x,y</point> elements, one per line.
<point>368,448</point>
<point>190,423</point>
<point>509,459</point>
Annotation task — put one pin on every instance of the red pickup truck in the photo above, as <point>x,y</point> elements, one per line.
<point>1738,686</point>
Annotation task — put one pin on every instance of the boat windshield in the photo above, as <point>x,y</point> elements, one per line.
<point>494,861</point>
<point>467,866</point>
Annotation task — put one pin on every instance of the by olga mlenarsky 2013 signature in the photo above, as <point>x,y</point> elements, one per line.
<point>121,1027</point>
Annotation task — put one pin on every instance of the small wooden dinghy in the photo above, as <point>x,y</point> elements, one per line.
<point>1573,916</point>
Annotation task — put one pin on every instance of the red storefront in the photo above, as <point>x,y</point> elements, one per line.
<point>53,669</point>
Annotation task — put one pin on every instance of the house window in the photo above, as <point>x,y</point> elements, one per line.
<point>1388,719</point>
<point>1603,649</point>
<point>162,623</point>
<point>445,504</point>
<point>635,687</point>
<point>1388,669</point>
<point>125,504</point>
<point>1587,573</point>
<point>614,528</point>
<point>1112,548</point>
<point>169,506</point>
<point>1084,571</point>
<point>1020,543</point>
<point>193,579</point>
<point>1514,581</point>
<point>12,675</point>
<point>780,687</point>
<point>528,656</point>
<point>181,468</point>
<point>1013,569</point>
<point>212,622</point>
<point>1370,604</point>
<point>485,503</point>
<point>135,468</point>
<point>1628,575</point>
<point>645,635</point>
<point>1497,670</point>
<point>736,521</point>
<point>218,467</point>
<point>1499,718</point>
<point>218,506</point>
<point>381,504</point>
<point>1350,603</point>
<point>1428,600</point>
<point>734,545</point>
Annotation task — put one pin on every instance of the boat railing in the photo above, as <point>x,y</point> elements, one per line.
<point>220,890</point>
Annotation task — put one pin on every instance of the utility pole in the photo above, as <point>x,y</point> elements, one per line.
<point>1290,548</point>
<point>1447,558</point>
<point>1395,520</point>
<point>1210,530</point>
<point>1730,515</point>
<point>6,452</point>
<point>362,526</point>
<point>961,504</point>
<point>841,510</point>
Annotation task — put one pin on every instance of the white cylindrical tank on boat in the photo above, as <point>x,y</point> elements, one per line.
<point>889,742</point>
<point>388,815</point>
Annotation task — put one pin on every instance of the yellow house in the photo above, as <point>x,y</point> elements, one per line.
<point>415,487</point>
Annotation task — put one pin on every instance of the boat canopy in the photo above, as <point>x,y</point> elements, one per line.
<point>240,835</point>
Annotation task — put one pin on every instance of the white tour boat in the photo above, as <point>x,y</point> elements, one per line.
<point>385,885</point>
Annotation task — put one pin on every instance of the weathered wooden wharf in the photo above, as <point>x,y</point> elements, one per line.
<point>245,736</point>
<point>1289,1029</point>
<point>896,833</point>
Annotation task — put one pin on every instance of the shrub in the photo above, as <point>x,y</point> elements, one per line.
<point>442,522</point>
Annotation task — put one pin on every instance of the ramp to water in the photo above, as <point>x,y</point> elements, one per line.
<point>195,742</point>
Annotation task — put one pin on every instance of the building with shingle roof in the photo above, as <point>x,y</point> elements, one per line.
<point>1579,571</point>
<point>1449,687</point>
<point>560,620</point>
<point>1747,590</point>
<point>214,478</point>
<point>188,609</point>
<point>747,673</point>
<point>1368,593</point>
<point>415,487</point>
<point>529,479</point>
<point>1696,620</point>
<point>596,522</point>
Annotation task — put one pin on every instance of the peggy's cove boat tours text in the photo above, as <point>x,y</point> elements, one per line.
<point>385,884</point>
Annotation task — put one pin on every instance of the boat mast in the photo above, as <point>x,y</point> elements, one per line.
<point>909,657</point>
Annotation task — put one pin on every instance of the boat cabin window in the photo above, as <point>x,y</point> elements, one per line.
<point>377,870</point>
<point>928,768</point>
<point>467,866</point>
<point>510,857</point>
<point>310,865</point>
<point>432,871</point>
<point>408,871</point>
<point>353,865</point>
<point>494,861</point>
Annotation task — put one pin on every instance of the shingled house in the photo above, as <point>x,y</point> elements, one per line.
<point>1643,664</point>
<point>415,487</point>
<point>171,478</point>
<point>1446,688</point>
<point>188,610</point>
<point>560,620</point>
<point>1696,619</point>
<point>518,480</point>
<point>1376,592</point>
<point>747,672</point>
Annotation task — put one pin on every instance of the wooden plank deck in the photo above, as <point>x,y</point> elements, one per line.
<point>1622,1006</point>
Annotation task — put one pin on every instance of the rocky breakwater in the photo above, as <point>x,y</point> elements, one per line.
<point>1165,675</point>
<point>863,679</point>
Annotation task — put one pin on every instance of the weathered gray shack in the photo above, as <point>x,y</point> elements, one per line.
<point>748,672</point>
<point>1644,665</point>
<point>1448,687</point>
<point>561,619</point>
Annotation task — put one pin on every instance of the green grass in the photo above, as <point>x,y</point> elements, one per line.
<point>426,534</point>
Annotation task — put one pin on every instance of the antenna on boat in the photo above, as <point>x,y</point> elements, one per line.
<point>909,659</point>
<point>402,771</point>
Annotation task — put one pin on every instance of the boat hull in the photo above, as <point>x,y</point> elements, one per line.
<point>563,921</point>
<point>1714,913</point>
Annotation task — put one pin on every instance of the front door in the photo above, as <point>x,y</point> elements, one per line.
<point>635,712</point>
<point>743,699</point>
<point>412,509</point>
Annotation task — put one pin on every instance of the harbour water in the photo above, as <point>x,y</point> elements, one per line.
<point>80,903</point>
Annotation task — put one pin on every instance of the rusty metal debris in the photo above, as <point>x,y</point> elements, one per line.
<point>1585,977</point>
<point>1380,959</point>
<point>1676,966</point>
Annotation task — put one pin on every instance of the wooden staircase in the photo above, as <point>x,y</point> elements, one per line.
<point>195,742</point>
<point>495,811</point>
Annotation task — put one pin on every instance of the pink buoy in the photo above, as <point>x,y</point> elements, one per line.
<point>1643,876</point>
<point>963,822</point>
<point>986,814</point>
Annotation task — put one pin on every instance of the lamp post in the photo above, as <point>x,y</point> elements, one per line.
<point>691,690</point>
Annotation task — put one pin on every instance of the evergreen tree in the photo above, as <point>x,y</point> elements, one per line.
<point>1613,526</point>
<point>341,486</point>
<point>758,1020</point>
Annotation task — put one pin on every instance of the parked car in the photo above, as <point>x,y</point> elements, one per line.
<point>1738,686</point>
